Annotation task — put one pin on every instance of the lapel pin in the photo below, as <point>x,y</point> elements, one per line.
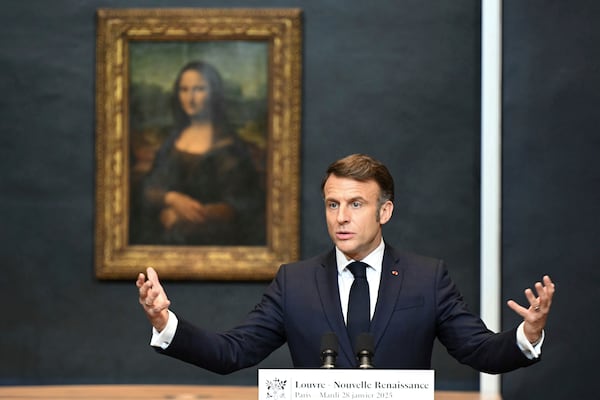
<point>394,272</point>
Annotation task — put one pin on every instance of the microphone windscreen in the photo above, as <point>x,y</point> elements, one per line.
<point>329,341</point>
<point>364,342</point>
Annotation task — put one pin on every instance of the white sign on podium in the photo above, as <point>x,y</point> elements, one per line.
<point>350,384</point>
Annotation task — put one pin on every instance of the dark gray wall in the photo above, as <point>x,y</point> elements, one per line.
<point>398,80</point>
<point>552,185</point>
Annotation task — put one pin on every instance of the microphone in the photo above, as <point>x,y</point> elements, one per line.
<point>329,350</point>
<point>364,350</point>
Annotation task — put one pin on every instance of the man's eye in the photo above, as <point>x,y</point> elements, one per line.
<point>332,205</point>
<point>356,204</point>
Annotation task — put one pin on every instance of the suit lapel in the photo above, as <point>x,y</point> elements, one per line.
<point>327,285</point>
<point>389,288</point>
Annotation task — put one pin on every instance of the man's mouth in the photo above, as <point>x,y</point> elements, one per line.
<point>344,235</point>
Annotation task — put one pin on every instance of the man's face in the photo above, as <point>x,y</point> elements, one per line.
<point>353,215</point>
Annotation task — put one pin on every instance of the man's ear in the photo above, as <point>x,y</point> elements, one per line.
<point>385,212</point>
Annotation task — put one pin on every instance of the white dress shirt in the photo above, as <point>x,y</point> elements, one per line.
<point>345,278</point>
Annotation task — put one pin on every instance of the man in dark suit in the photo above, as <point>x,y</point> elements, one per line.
<point>407,300</point>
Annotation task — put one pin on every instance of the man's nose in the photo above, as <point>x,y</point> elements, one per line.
<point>342,215</point>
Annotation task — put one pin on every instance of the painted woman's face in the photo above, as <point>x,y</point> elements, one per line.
<point>193,94</point>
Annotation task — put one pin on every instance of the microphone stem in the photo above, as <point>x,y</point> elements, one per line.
<point>364,360</point>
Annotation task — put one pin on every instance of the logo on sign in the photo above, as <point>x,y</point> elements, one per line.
<point>276,389</point>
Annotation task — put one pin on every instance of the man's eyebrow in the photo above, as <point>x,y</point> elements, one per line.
<point>351,200</point>
<point>357,198</point>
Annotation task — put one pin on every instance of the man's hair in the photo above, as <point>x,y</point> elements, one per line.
<point>363,168</point>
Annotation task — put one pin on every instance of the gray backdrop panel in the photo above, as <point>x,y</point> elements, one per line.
<point>551,202</point>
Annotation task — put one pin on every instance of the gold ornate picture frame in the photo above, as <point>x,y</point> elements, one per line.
<point>138,55</point>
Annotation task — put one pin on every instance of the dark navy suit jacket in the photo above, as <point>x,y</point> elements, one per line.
<point>417,302</point>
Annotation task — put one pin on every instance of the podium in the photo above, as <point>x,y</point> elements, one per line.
<point>350,384</point>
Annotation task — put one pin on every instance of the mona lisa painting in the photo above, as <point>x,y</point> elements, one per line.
<point>197,142</point>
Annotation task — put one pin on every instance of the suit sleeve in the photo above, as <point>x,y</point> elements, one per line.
<point>245,345</point>
<point>466,337</point>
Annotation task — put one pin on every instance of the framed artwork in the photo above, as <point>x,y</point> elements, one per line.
<point>197,142</point>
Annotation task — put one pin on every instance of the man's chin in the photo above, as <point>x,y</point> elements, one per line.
<point>345,247</point>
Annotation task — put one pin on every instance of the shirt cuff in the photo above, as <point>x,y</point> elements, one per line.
<point>529,350</point>
<point>163,338</point>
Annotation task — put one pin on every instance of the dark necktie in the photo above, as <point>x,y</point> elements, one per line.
<point>359,309</point>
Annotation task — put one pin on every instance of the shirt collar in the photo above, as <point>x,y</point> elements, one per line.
<point>374,258</point>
